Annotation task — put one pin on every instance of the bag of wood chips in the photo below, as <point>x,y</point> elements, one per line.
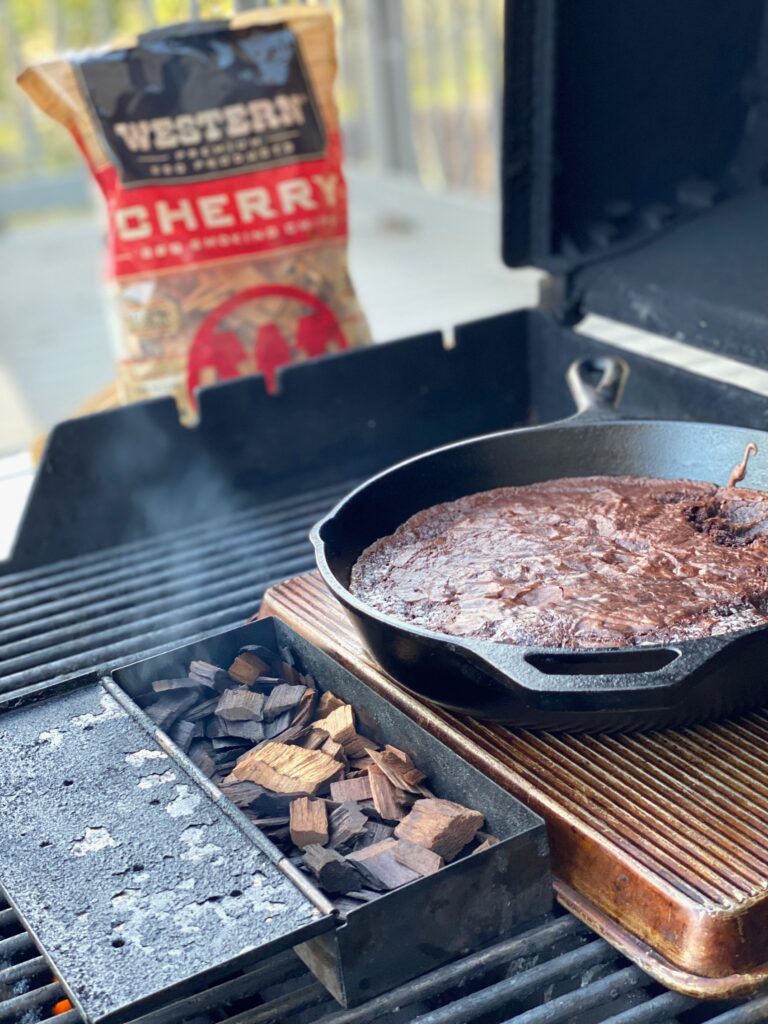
<point>217,147</point>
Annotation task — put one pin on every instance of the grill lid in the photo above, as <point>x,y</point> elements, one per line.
<point>139,886</point>
<point>635,158</point>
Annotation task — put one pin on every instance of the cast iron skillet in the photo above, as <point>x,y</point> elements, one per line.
<point>553,689</point>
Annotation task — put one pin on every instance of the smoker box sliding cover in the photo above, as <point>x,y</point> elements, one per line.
<point>136,884</point>
<point>142,883</point>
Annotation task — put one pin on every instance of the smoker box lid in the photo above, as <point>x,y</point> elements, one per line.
<point>635,155</point>
<point>136,883</point>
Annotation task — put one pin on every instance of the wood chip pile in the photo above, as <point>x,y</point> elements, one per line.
<point>355,816</point>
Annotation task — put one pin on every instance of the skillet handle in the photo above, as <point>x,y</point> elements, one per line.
<point>597,385</point>
<point>700,671</point>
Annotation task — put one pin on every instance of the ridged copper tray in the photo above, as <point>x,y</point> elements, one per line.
<point>659,840</point>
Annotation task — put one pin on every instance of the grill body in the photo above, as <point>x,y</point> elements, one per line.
<point>120,556</point>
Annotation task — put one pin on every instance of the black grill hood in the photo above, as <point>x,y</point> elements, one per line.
<point>635,163</point>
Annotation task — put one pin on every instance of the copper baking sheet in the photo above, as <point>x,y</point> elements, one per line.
<point>659,840</point>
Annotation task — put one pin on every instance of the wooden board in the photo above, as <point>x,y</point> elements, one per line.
<point>659,840</point>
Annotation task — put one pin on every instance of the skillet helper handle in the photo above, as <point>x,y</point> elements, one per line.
<point>597,385</point>
<point>618,678</point>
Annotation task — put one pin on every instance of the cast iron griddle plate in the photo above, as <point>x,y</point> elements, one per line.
<point>663,832</point>
<point>129,875</point>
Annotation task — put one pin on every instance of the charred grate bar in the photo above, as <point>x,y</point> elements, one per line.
<point>142,598</point>
<point>557,972</point>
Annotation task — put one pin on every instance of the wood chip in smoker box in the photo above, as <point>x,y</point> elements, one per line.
<point>201,754</point>
<point>327,703</point>
<point>183,732</point>
<point>358,763</point>
<point>242,794</point>
<point>241,705</point>
<point>333,873</point>
<point>486,843</point>
<point>440,825</point>
<point>387,799</point>
<point>375,832</point>
<point>214,728</point>
<point>234,743</point>
<point>315,739</point>
<point>368,809</point>
<point>292,760</point>
<point>288,674</point>
<point>309,822</point>
<point>281,699</point>
<point>357,749</point>
<point>290,735</point>
<point>272,660</point>
<point>204,674</point>
<point>351,789</point>
<point>266,683</point>
<point>264,802</point>
<point>398,767</point>
<point>379,867</point>
<point>170,707</point>
<point>332,748</point>
<point>200,711</point>
<point>418,858</point>
<point>281,837</point>
<point>346,824</point>
<point>269,824</point>
<point>287,769</point>
<point>247,667</point>
<point>278,725</point>
<point>252,731</point>
<point>166,685</point>
<point>305,712</point>
<point>340,726</point>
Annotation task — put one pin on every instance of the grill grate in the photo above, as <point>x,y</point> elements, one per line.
<point>104,609</point>
<point>557,972</point>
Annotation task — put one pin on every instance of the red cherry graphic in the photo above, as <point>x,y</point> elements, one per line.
<point>225,355</point>
<point>317,332</point>
<point>218,356</point>
<point>271,350</point>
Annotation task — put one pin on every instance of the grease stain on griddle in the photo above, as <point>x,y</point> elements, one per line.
<point>128,894</point>
<point>53,736</point>
<point>184,803</point>
<point>93,840</point>
<point>138,757</point>
<point>157,779</point>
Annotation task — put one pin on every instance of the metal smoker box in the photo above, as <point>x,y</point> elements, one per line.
<point>433,920</point>
<point>142,883</point>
